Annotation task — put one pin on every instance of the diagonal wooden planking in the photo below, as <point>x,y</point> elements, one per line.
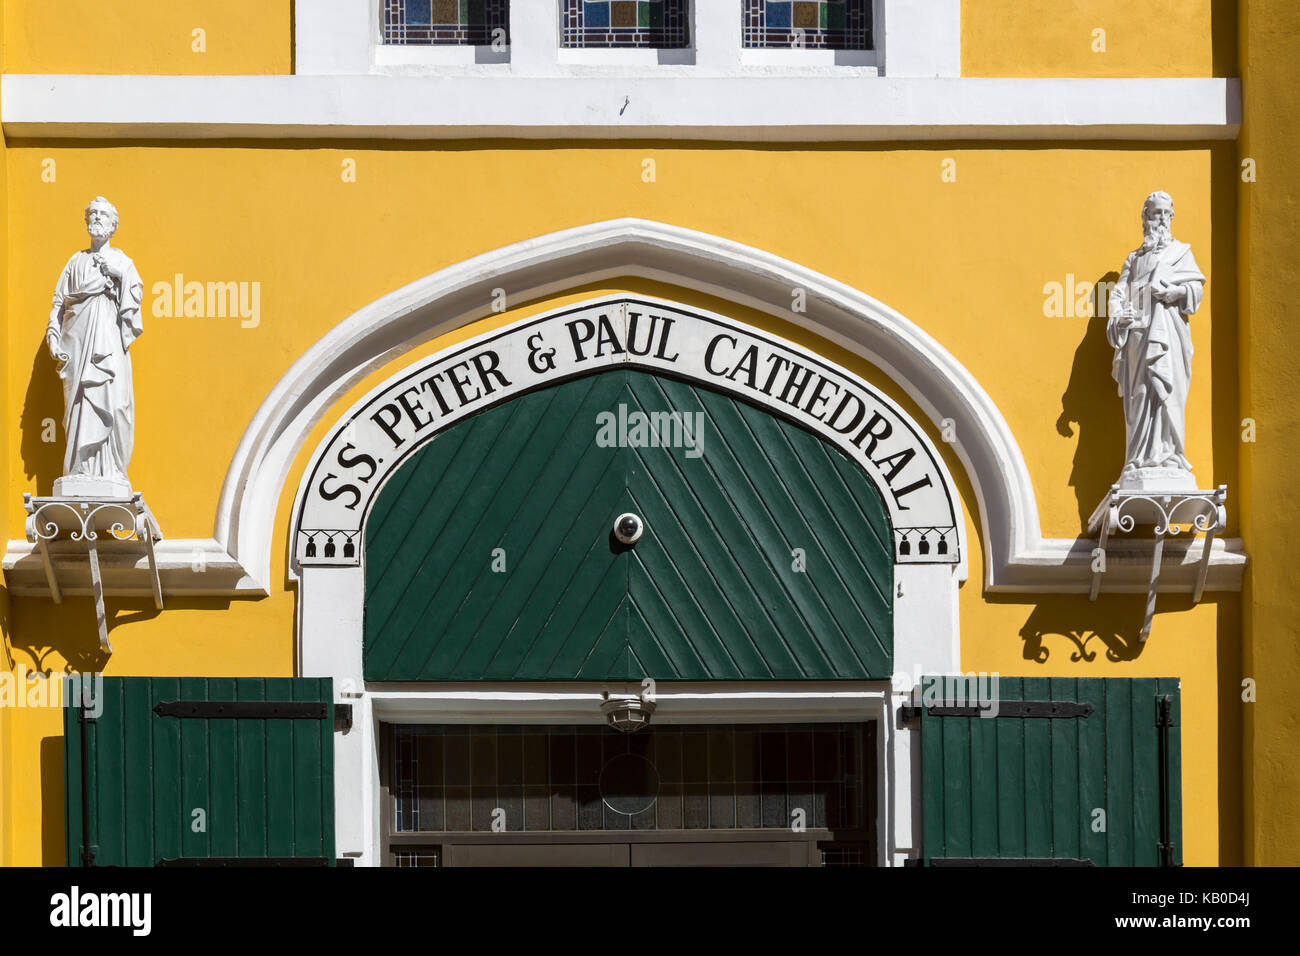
<point>710,592</point>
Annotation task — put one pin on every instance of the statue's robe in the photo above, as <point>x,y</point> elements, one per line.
<point>1153,359</point>
<point>97,321</point>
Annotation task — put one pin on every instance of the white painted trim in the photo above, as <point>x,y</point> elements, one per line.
<point>679,106</point>
<point>919,37</point>
<point>1016,556</point>
<point>357,791</point>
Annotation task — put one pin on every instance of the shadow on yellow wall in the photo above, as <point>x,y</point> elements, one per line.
<point>1101,434</point>
<point>42,423</point>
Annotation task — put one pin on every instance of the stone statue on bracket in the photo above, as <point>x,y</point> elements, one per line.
<point>93,321</point>
<point>1159,287</point>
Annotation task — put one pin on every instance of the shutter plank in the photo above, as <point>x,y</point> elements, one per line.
<point>223,775</point>
<point>1038,773</point>
<point>137,733</point>
<point>194,772</point>
<point>110,764</point>
<point>1092,769</point>
<point>168,772</point>
<point>1011,774</point>
<point>1173,687</point>
<point>957,785</point>
<point>1065,771</point>
<point>1119,773</point>
<point>72,782</point>
<point>279,796</point>
<point>306,734</point>
<point>984,784</point>
<point>933,773</point>
<point>253,837</point>
<point>1146,774</point>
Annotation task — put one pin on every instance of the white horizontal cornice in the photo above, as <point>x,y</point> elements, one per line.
<point>680,105</point>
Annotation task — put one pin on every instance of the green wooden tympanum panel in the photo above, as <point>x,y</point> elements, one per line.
<point>1090,788</point>
<point>489,555</point>
<point>264,788</point>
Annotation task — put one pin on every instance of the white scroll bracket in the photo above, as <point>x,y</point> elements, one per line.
<point>1172,513</point>
<point>59,525</point>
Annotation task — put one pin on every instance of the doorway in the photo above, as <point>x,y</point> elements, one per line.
<point>671,795</point>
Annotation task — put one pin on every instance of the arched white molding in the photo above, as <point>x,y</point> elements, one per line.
<point>1016,557</point>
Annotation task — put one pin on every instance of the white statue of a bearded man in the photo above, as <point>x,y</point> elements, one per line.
<point>1159,287</point>
<point>94,320</point>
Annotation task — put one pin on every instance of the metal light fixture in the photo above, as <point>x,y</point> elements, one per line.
<point>627,714</point>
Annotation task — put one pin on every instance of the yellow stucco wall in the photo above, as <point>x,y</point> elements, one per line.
<point>1269,237</point>
<point>1056,38</point>
<point>148,36</point>
<point>6,818</point>
<point>966,260</point>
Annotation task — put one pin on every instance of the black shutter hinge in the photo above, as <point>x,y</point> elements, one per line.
<point>243,709</point>
<point>1059,709</point>
<point>342,717</point>
<point>1164,712</point>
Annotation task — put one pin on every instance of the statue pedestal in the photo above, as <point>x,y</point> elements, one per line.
<point>88,486</point>
<point>1164,509</point>
<point>82,518</point>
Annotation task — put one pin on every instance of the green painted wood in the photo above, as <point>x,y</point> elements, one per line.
<point>1119,774</point>
<point>1171,687</point>
<point>1092,773</point>
<point>266,786</point>
<point>710,592</point>
<point>1066,812</point>
<point>1010,775</point>
<point>984,787</point>
<point>74,837</point>
<point>1038,773</point>
<point>1029,787</point>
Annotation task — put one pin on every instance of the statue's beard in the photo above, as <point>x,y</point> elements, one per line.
<point>99,230</point>
<point>1157,237</point>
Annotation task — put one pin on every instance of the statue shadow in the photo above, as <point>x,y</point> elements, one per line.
<point>42,423</point>
<point>68,630</point>
<point>1091,403</point>
<point>1086,630</point>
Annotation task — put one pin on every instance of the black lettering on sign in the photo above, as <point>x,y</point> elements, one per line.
<point>711,348</point>
<point>487,364</point>
<point>607,337</point>
<point>389,425</point>
<point>352,462</point>
<point>580,332</point>
<point>331,494</point>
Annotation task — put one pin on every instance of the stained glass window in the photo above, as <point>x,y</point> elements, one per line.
<point>659,24</point>
<point>445,22</point>
<point>808,24</point>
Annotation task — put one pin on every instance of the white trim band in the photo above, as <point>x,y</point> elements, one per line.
<point>682,106</point>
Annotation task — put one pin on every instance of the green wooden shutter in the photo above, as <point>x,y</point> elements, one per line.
<point>265,785</point>
<point>1026,788</point>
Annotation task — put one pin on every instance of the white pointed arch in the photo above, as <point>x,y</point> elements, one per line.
<point>550,264</point>
<point>1016,557</point>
